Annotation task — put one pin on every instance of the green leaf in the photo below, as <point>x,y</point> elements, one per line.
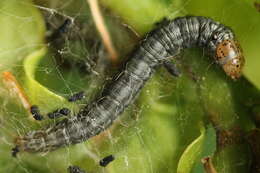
<point>191,154</point>
<point>22,31</point>
<point>233,158</point>
<point>202,146</point>
<point>142,15</point>
<point>208,148</point>
<point>37,93</point>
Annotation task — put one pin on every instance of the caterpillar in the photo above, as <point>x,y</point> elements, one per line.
<point>159,46</point>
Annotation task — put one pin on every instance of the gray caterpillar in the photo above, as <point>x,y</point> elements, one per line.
<point>160,45</point>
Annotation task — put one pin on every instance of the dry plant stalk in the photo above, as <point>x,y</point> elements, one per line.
<point>208,165</point>
<point>99,22</point>
<point>15,89</point>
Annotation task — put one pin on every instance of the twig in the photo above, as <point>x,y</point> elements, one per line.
<point>15,89</point>
<point>208,166</point>
<point>132,30</point>
<point>99,22</point>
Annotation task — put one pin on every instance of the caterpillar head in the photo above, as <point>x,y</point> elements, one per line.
<point>229,55</point>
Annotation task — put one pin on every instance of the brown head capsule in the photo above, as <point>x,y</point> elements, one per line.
<point>229,55</point>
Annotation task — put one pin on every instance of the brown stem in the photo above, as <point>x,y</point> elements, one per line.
<point>15,89</point>
<point>208,166</point>
<point>99,22</point>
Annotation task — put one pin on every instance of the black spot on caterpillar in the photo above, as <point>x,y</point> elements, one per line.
<point>106,160</point>
<point>36,113</point>
<point>160,45</point>
<point>75,169</point>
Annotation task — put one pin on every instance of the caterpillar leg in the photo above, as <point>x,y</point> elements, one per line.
<point>172,69</point>
<point>162,22</point>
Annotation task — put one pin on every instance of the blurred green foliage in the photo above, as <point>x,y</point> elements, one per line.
<point>174,123</point>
